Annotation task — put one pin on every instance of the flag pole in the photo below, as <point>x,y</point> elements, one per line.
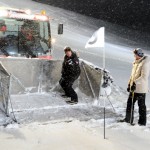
<point>104,97</point>
<point>103,45</point>
<point>104,64</point>
<point>98,40</point>
<point>104,58</point>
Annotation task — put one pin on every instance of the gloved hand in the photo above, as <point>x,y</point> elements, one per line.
<point>61,81</point>
<point>128,88</point>
<point>133,87</point>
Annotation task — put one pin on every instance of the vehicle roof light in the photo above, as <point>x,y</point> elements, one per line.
<point>40,17</point>
<point>28,11</point>
<point>22,14</point>
<point>43,12</point>
<point>3,13</point>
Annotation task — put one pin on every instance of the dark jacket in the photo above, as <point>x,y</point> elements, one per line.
<point>70,67</point>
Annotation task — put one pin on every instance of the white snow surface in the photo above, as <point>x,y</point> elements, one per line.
<point>75,133</point>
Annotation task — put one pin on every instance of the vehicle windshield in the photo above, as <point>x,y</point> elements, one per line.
<point>24,37</point>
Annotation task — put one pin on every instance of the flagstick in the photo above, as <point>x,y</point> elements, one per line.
<point>104,58</point>
<point>103,76</point>
<point>104,97</point>
<point>98,40</point>
<point>104,119</point>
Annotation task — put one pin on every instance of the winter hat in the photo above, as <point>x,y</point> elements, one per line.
<point>138,52</point>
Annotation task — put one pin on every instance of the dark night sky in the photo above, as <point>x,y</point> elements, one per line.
<point>134,14</point>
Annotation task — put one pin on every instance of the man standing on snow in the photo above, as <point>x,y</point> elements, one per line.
<point>138,87</point>
<point>70,72</point>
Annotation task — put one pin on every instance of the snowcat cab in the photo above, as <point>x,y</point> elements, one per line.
<point>24,34</point>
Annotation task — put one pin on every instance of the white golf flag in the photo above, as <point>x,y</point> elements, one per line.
<point>97,39</point>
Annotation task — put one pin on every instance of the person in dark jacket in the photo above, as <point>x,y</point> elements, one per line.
<point>70,72</point>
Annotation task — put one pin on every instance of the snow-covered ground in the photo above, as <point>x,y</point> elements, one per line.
<point>74,135</point>
<point>79,131</point>
<point>64,127</point>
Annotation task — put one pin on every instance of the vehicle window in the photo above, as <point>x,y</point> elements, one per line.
<point>23,36</point>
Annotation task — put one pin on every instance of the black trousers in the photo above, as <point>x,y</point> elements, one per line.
<point>66,85</point>
<point>140,98</point>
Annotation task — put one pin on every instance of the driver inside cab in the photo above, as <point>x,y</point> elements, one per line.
<point>3,42</point>
<point>30,38</point>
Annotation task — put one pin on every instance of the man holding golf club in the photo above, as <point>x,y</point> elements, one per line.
<point>138,87</point>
